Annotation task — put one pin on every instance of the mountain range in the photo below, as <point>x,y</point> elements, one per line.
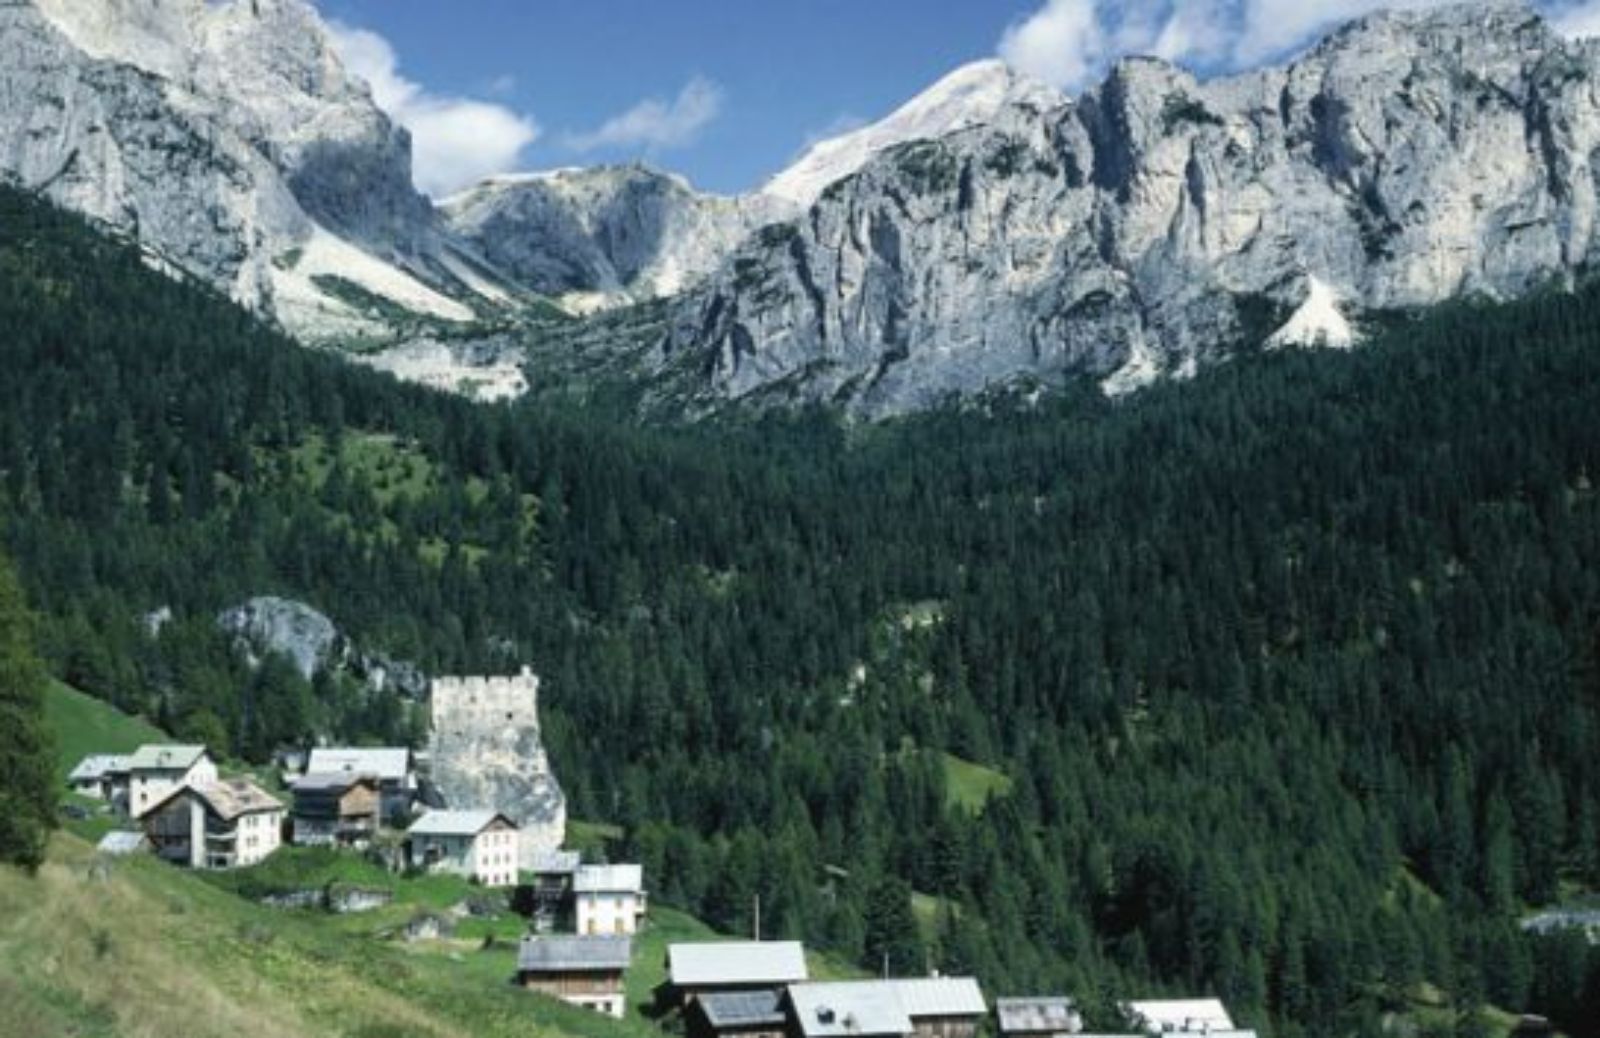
<point>992,233</point>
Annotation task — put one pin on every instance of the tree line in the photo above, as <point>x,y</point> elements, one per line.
<point>1290,671</point>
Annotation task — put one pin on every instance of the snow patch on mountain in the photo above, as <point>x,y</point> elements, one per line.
<point>973,95</point>
<point>1318,322</point>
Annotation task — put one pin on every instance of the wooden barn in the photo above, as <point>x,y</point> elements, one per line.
<point>585,971</point>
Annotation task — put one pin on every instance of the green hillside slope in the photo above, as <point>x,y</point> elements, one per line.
<point>1247,647</point>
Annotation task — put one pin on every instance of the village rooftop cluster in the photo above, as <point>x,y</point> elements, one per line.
<point>582,917</point>
<point>762,989</point>
<point>189,814</point>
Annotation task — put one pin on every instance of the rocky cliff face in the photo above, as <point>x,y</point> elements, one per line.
<point>1159,222</point>
<point>604,237</point>
<point>229,139</point>
<point>311,641</point>
<point>989,233</point>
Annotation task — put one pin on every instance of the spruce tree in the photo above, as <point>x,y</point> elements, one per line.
<point>27,788</point>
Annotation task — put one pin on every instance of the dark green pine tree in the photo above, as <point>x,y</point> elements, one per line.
<point>27,788</point>
<point>893,940</point>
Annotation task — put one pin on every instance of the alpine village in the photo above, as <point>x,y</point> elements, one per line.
<point>921,519</point>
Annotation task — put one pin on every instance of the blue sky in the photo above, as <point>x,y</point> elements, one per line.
<point>779,72</point>
<point>729,92</point>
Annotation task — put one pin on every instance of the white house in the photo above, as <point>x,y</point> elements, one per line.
<point>155,771</point>
<point>481,845</point>
<point>98,776</point>
<point>222,825</point>
<point>609,899</point>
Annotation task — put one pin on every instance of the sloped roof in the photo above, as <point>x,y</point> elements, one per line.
<point>609,879</point>
<point>736,963</point>
<point>850,1008</point>
<point>234,797</point>
<point>165,758</point>
<point>386,762</point>
<point>330,783</point>
<point>1180,1015</point>
<point>456,823</point>
<point>98,766</point>
<point>939,996</point>
<point>566,954</point>
<point>876,1007</point>
<point>743,1008</point>
<point>119,842</point>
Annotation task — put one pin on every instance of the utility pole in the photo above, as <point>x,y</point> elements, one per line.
<point>758,917</point>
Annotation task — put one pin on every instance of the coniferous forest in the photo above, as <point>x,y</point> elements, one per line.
<point>1291,674</point>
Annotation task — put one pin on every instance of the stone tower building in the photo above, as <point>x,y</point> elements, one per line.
<point>488,754</point>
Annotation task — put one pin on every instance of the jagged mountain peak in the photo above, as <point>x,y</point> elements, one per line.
<point>1162,221</point>
<point>975,94</point>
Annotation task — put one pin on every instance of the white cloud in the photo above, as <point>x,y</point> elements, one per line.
<point>456,141</point>
<point>1063,43</point>
<point>1579,19</point>
<point>655,124</point>
<point>1070,43</point>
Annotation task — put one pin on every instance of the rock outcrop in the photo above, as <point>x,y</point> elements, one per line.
<point>313,643</point>
<point>1159,223</point>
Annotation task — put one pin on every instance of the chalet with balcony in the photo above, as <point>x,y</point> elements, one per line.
<point>225,824</point>
<point>337,810</point>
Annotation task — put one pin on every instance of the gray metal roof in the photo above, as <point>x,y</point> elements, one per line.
<point>743,1008</point>
<point>940,996</point>
<point>329,783</point>
<point>1031,1015</point>
<point>98,766</point>
<point>732,963</point>
<point>850,1009</point>
<point>568,954</point>
<point>121,843</point>
<point>878,1007</point>
<point>386,762</point>
<point>609,879</point>
<point>553,863</point>
<point>165,758</point>
<point>456,823</point>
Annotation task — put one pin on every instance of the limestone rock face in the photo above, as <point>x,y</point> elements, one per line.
<point>1159,223</point>
<point>228,138</point>
<point>314,643</point>
<point>603,237</point>
<point>292,629</point>
<point>488,754</point>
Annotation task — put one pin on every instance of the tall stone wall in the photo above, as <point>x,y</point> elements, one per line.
<point>488,753</point>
